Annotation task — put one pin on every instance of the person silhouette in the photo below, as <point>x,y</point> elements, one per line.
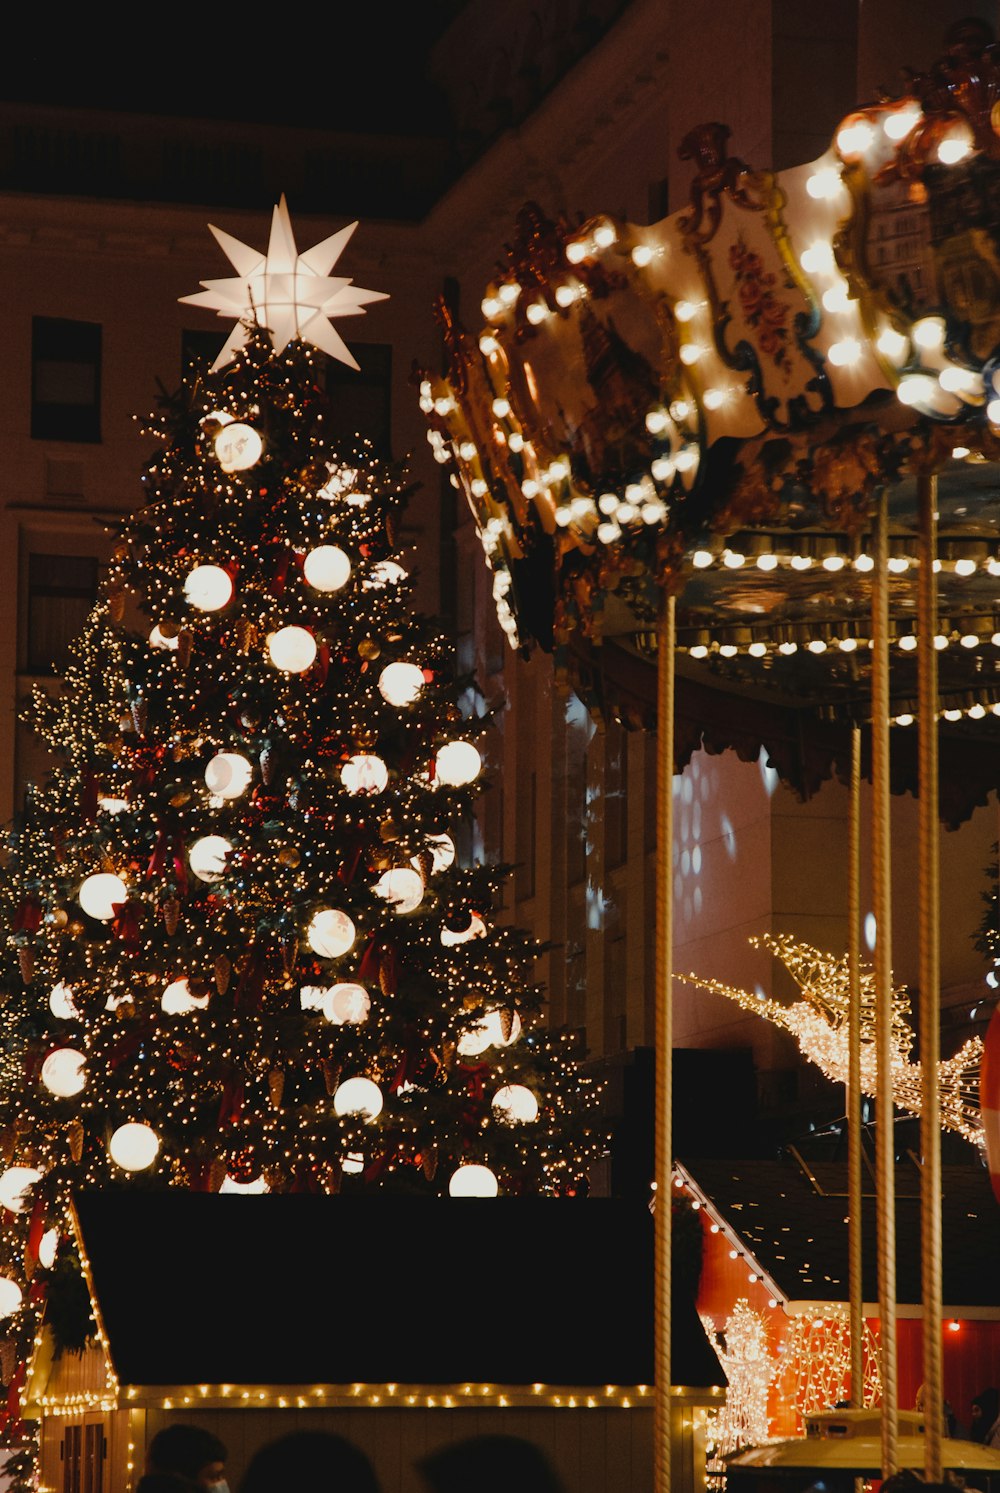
<point>319,1461</point>
<point>489,1464</point>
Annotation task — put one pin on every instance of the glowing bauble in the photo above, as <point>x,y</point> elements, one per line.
<point>364,774</point>
<point>228,775</point>
<point>157,640</point>
<point>326,568</point>
<point>15,1184</point>
<point>346,1004</point>
<point>207,857</point>
<point>401,886</point>
<point>311,997</point>
<point>330,933</point>
<point>442,849</point>
<point>177,999</point>
<point>61,1002</point>
<point>238,447</point>
<point>10,1296</point>
<point>488,1033</point>
<point>112,806</point>
<point>400,683</point>
<point>134,1146</point>
<point>99,895</point>
<point>63,1072</point>
<point>476,929</point>
<point>457,763</point>
<point>353,1163</point>
<point>292,649</point>
<point>384,573</point>
<point>516,1103</point>
<point>209,588</point>
<point>473,1181</point>
<point>47,1247</point>
<point>358,1096</point>
<point>256,1186</point>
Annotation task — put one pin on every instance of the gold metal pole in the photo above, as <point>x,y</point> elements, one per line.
<point>664,1159</point>
<point>882,901</point>
<point>854,1077</point>
<point>930,991</point>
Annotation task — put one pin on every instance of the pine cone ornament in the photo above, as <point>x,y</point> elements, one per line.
<point>8,1359</point>
<point>246,634</point>
<point>506,1016</point>
<point>430,1162</point>
<point>26,961</point>
<point>289,955</point>
<point>268,763</point>
<point>139,715</point>
<point>331,1074</point>
<point>185,643</point>
<point>276,1086</point>
<point>171,915</point>
<point>116,605</point>
<point>216,1174</point>
<point>223,970</point>
<point>74,1132</point>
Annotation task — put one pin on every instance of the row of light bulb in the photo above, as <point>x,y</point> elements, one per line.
<point>907,643</point>
<point>734,559</point>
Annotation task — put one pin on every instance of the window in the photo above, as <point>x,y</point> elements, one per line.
<point>361,399</point>
<point>65,380</point>
<point>61,591</point>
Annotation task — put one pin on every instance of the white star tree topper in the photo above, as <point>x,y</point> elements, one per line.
<point>291,295</point>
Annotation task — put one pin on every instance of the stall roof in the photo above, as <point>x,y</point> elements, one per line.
<point>791,1215</point>
<point>295,1289</point>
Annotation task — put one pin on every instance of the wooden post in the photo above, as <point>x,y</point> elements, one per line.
<point>664,1160</point>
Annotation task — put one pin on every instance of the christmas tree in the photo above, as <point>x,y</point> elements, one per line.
<point>247,948</point>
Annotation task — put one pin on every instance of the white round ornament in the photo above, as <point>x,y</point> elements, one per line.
<point>516,1104</point>
<point>134,1146</point>
<point>364,773</point>
<point>207,857</point>
<point>331,933</point>
<point>10,1296</point>
<point>63,1072</point>
<point>15,1185</point>
<point>473,1181</point>
<point>326,568</point>
<point>347,1004</point>
<point>61,1002</point>
<point>208,588</point>
<point>292,649</point>
<point>358,1096</point>
<point>177,999</point>
<point>238,447</point>
<point>228,774</point>
<point>99,894</point>
<point>400,683</point>
<point>457,763</point>
<point>402,887</point>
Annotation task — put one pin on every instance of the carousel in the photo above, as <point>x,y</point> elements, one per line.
<point>737,471</point>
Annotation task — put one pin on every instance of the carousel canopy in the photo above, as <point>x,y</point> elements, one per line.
<point>708,407</point>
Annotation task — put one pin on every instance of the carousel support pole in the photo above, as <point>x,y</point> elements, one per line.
<point>854,1077</point>
<point>885,1169</point>
<point>664,1160</point>
<point>930,990</point>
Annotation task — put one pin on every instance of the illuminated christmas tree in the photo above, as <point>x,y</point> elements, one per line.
<point>247,944</point>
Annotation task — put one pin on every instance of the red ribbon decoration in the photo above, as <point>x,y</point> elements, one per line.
<point>126,1048</point>
<point>250,990</point>
<point>349,867</point>
<point>88,795</point>
<point>474,1080</point>
<point>28,918</point>
<point>232,1103</point>
<point>126,924</point>
<point>162,857</point>
<point>368,965</point>
<point>321,666</point>
<point>36,1229</point>
<point>277,586</point>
